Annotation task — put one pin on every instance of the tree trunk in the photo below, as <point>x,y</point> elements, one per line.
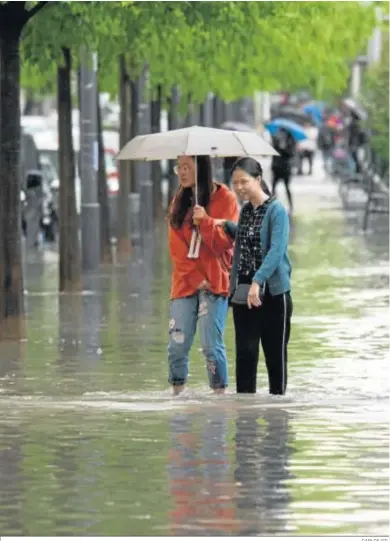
<point>105,241</point>
<point>202,115</point>
<point>173,123</point>
<point>12,322</point>
<point>124,242</point>
<point>134,130</point>
<point>13,17</point>
<point>218,112</point>
<point>70,258</point>
<point>156,166</point>
<point>188,120</point>
<point>78,165</point>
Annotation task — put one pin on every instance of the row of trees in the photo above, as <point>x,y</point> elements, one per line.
<point>187,49</point>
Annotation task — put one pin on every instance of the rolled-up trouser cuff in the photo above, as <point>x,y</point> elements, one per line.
<point>177,382</point>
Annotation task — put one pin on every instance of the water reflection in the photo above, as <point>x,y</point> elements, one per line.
<point>11,484</point>
<point>70,330</point>
<point>67,478</point>
<point>12,358</point>
<point>213,494</point>
<point>92,317</point>
<point>263,447</point>
<point>200,479</point>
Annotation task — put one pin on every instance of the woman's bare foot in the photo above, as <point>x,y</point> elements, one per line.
<point>220,391</point>
<point>177,389</point>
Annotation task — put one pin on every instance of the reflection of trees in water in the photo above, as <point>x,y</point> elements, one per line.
<point>11,480</point>
<point>65,472</point>
<point>80,320</point>
<point>12,357</point>
<point>70,333</point>
<point>263,440</point>
<point>92,315</point>
<point>200,479</point>
<point>76,475</point>
<point>76,467</point>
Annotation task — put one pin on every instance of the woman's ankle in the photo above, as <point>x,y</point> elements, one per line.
<point>177,389</point>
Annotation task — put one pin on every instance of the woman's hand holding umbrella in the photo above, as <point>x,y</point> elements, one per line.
<point>199,214</point>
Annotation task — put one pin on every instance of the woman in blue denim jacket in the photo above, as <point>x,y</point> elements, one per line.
<point>261,269</point>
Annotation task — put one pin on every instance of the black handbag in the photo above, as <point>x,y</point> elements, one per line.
<point>240,295</point>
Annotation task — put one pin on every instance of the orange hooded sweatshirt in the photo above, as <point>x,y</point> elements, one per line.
<point>215,253</point>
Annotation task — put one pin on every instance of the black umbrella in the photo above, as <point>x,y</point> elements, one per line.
<point>236,126</point>
<point>355,108</point>
<point>294,114</point>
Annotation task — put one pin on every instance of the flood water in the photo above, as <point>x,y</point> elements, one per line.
<point>92,443</point>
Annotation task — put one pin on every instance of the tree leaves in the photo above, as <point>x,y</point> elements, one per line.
<point>229,48</point>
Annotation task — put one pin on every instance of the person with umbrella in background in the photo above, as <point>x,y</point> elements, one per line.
<point>356,138</point>
<point>199,293</point>
<point>284,143</point>
<point>355,133</point>
<point>326,141</point>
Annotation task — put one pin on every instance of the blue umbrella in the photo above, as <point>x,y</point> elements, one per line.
<point>315,109</point>
<point>295,129</point>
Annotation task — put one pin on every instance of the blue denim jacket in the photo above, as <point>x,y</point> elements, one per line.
<point>276,266</point>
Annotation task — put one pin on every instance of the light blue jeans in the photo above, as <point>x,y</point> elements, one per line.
<point>209,311</point>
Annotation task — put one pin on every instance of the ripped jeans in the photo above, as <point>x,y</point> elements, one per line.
<point>209,311</point>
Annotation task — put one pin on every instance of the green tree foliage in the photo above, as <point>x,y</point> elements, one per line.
<point>230,48</point>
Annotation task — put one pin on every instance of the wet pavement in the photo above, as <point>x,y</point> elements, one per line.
<point>92,443</point>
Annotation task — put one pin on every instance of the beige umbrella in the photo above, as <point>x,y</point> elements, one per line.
<point>195,141</point>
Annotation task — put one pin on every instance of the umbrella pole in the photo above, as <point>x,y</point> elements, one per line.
<point>196,180</point>
<point>193,252</point>
<point>198,237</point>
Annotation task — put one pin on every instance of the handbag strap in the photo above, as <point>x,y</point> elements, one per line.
<point>269,233</point>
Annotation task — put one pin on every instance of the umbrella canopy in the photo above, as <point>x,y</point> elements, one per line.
<point>295,129</point>
<point>195,141</point>
<point>295,115</point>
<point>355,108</point>
<point>236,126</point>
<point>315,109</point>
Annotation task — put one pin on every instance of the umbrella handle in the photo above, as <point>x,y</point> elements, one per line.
<point>196,180</point>
<point>196,239</point>
<point>191,250</point>
<point>196,185</point>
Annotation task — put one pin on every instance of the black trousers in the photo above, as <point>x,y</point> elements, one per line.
<point>309,156</point>
<point>270,325</point>
<point>284,176</point>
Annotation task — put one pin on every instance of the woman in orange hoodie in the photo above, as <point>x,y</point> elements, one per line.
<point>200,287</point>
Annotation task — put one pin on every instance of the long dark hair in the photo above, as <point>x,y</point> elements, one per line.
<point>253,168</point>
<point>184,198</point>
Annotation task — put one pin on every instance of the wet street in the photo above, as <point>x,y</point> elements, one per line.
<point>92,443</point>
